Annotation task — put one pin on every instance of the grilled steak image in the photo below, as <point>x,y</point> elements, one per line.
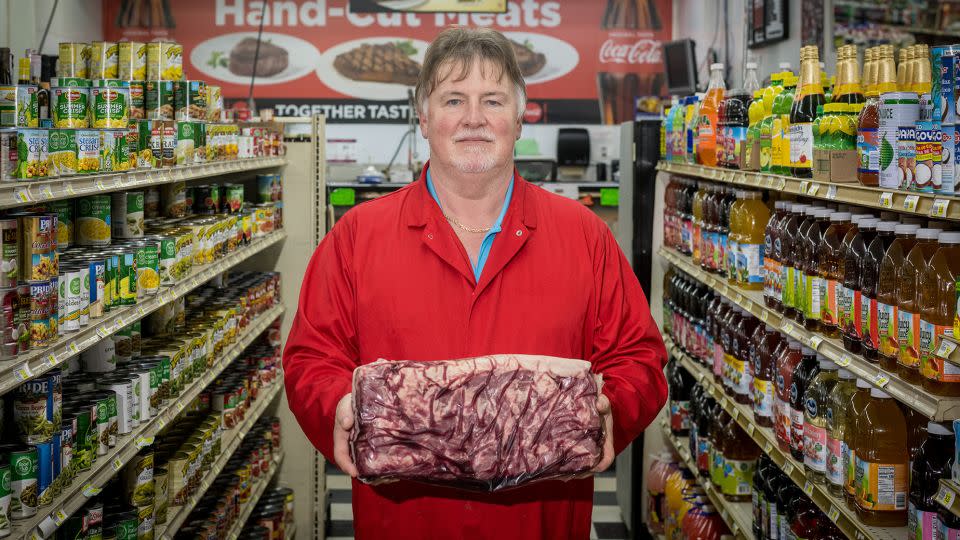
<point>530,62</point>
<point>271,60</point>
<point>385,63</point>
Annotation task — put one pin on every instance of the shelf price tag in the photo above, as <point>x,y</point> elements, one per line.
<point>881,379</point>
<point>52,360</point>
<point>804,186</point>
<point>767,447</point>
<point>68,189</point>
<point>808,488</point>
<point>945,497</point>
<point>946,348</point>
<point>750,429</point>
<point>103,332</point>
<point>117,464</point>
<point>814,188</point>
<point>832,192</point>
<point>787,468</point>
<point>144,441</point>
<point>46,191</point>
<point>781,183</point>
<point>101,184</point>
<point>735,413</point>
<point>886,199</point>
<point>939,208</point>
<point>844,360</point>
<point>815,342</point>
<point>834,513</point>
<point>73,347</point>
<point>90,491</point>
<point>910,203</point>
<point>22,194</point>
<point>59,517</point>
<point>23,372</point>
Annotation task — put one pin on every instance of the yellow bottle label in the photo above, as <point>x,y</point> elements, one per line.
<point>881,487</point>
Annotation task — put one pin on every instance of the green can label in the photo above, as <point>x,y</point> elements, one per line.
<point>31,154</point>
<point>24,468</point>
<point>88,151</point>
<point>62,152</point>
<point>93,221</point>
<point>148,270</point>
<point>71,107</point>
<point>111,107</point>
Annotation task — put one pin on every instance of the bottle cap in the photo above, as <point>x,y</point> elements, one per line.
<point>862,383</point>
<point>846,375</point>
<point>879,394</point>
<point>936,428</point>
<point>906,228</point>
<point>887,226</point>
<point>784,66</point>
<point>793,344</point>
<point>949,237</point>
<point>824,213</point>
<point>799,207</point>
<point>868,223</point>
<point>716,66</point>
<point>857,217</point>
<point>811,210</point>
<point>751,65</point>
<point>927,234</point>
<point>840,216</point>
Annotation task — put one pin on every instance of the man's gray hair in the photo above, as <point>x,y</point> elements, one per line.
<point>459,48</point>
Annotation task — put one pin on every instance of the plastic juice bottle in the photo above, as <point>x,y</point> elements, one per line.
<point>813,286</point>
<point>706,245</point>
<point>697,222</point>
<point>908,304</point>
<point>815,429</point>
<point>733,238</point>
<point>780,128</point>
<point>786,364</point>
<point>806,520</point>
<point>728,339</point>
<point>847,87</point>
<point>714,203</point>
<point>949,524</point>
<point>759,503</point>
<point>851,301</point>
<point>690,121</point>
<point>722,122</point>
<point>770,485</point>
<point>882,462</point>
<point>753,218</point>
<point>704,438</point>
<point>740,375</point>
<point>786,495</point>
<point>766,124</point>
<point>677,500</point>
<point>858,401</point>
<point>716,322</point>
<point>916,430</point>
<point>718,433</point>
<point>680,384</point>
<point>723,254</point>
<point>787,242</point>
<point>938,313</point>
<point>800,258</point>
<point>666,131</point>
<point>750,351</point>
<point>755,113</point>
<point>751,81</point>
<point>740,454</point>
<point>661,468</point>
<point>737,123</point>
<point>802,376</point>
<point>904,240</point>
<point>708,125</point>
<point>679,131</point>
<point>869,277</point>
<point>771,260</point>
<point>764,380</point>
<point>831,265</point>
<point>836,432</point>
<point>804,112</point>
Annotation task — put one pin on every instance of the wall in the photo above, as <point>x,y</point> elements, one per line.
<point>22,23</point>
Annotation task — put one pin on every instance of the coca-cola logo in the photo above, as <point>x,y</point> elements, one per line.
<point>644,51</point>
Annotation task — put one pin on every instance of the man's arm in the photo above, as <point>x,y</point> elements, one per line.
<point>321,350</point>
<point>628,350</point>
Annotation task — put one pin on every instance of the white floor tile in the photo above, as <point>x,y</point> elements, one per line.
<point>605,514</point>
<point>341,512</point>
<point>338,482</point>
<point>604,484</point>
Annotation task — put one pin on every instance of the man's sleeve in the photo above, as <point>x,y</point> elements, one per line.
<point>321,350</point>
<point>628,350</point>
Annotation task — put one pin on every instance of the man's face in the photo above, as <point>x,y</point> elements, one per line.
<point>472,123</point>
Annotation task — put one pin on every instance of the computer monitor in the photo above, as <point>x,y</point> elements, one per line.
<point>680,65</point>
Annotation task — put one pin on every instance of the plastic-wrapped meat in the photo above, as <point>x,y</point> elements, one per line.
<point>483,423</point>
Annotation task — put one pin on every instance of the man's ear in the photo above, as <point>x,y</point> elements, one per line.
<point>422,117</point>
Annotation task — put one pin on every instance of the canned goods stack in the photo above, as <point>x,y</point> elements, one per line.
<point>273,515</point>
<point>218,510</point>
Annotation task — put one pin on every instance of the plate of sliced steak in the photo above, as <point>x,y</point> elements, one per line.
<point>377,68</point>
<point>230,58</point>
<point>542,58</point>
<point>483,424</point>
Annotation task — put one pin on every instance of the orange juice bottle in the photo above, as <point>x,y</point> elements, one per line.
<point>751,228</point>
<point>905,237</point>
<point>858,399</point>
<point>908,304</point>
<point>733,239</point>
<point>698,223</point>
<point>883,462</point>
<point>938,315</point>
<point>831,271</point>
<point>708,125</point>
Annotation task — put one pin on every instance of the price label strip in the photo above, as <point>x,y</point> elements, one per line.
<point>59,517</point>
<point>787,468</point>
<point>881,379</point>
<point>22,194</point>
<point>832,192</point>
<point>834,513</point>
<point>939,208</point>
<point>946,348</point>
<point>117,464</point>
<point>910,203</point>
<point>804,186</point>
<point>814,188</point>
<point>90,491</point>
<point>46,191</point>
<point>815,342</point>
<point>144,441</point>
<point>808,488</point>
<point>23,372</point>
<point>886,199</point>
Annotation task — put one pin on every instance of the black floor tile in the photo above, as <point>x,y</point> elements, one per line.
<point>610,530</point>
<point>340,528</point>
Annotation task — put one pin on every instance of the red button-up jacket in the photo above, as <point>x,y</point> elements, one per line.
<point>393,281</point>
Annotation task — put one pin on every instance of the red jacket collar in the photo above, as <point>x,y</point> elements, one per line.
<point>419,205</point>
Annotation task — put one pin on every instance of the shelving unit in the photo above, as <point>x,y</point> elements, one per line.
<point>835,508</point>
<point>89,483</point>
<point>737,516</point>
<point>255,495</point>
<point>936,407</point>
<point>922,204</point>
<point>230,442</point>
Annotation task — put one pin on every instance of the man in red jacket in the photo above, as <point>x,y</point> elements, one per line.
<point>471,260</point>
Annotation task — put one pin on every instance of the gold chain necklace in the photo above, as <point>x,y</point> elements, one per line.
<point>475,230</point>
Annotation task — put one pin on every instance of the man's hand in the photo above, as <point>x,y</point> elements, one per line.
<point>606,420</point>
<point>342,426</point>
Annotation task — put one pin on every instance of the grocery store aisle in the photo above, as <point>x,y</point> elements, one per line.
<point>607,522</point>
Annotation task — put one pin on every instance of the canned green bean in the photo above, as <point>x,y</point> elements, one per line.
<point>38,407</point>
<point>23,483</point>
<point>161,495</point>
<point>123,395</point>
<point>167,259</point>
<point>138,479</point>
<point>126,524</point>
<point>45,473</point>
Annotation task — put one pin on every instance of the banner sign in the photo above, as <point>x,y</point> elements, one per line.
<point>584,61</point>
<point>429,6</point>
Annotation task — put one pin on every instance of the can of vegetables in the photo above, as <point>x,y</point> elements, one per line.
<point>38,407</point>
<point>24,468</point>
<point>70,102</point>
<point>111,103</point>
<point>93,220</point>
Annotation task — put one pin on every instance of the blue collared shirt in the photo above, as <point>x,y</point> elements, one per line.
<point>487,244</point>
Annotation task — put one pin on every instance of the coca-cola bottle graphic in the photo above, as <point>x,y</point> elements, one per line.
<point>632,14</point>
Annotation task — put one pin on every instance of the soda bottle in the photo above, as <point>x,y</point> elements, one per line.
<point>708,125</point>
<point>786,364</point>
<point>858,400</point>
<point>905,237</point>
<point>751,81</point>
<point>831,267</point>
<point>817,398</point>
<point>938,315</point>
<point>805,371</point>
<point>847,87</point>
<point>813,286</point>
<point>680,385</point>
<point>882,462</point>
<point>740,454</point>
<point>764,380</point>
<point>784,248</point>
<point>804,112</point>
<point>737,123</point>
<point>766,124</point>
<point>837,423</point>
<point>691,119</point>
<point>753,216</point>
<point>869,269</point>
<point>850,300</point>
<point>908,304</point>
<point>771,256</point>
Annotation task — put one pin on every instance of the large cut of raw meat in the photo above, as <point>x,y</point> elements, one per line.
<point>483,423</point>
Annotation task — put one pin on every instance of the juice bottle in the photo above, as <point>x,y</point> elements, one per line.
<point>908,304</point>
<point>850,300</point>
<point>847,87</point>
<point>904,240</point>
<point>755,113</point>
<point>949,524</point>
<point>740,455</point>
<point>723,123</point>
<point>803,374</point>
<point>705,437</point>
<point>733,238</point>
<point>800,259</point>
<point>740,379</point>
<point>728,340</point>
<point>771,260</point>
<point>786,506</point>
<point>716,328</point>
<point>718,437</point>
<point>690,120</point>
<point>916,430</point>
<point>753,216</point>
<point>858,401</point>
<point>677,500</point>
<point>770,485</point>
<point>813,286</point>
<point>882,462</point>
<point>666,130</point>
<point>806,520</point>
<point>661,467</point>
<point>764,380</point>
<point>669,209</point>
<point>697,211</point>
<point>677,143</point>
<point>869,277</point>
<point>831,268</point>
<point>737,122</point>
<point>786,364</point>
<point>837,423</point>
<point>784,248</point>
<point>780,128</point>
<point>816,400</point>
<point>726,206</point>
<point>707,127</point>
<point>766,124</point>
<point>804,112</point>
<point>938,314</point>
<point>706,228</point>
<point>680,385</point>
<point>759,502</point>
